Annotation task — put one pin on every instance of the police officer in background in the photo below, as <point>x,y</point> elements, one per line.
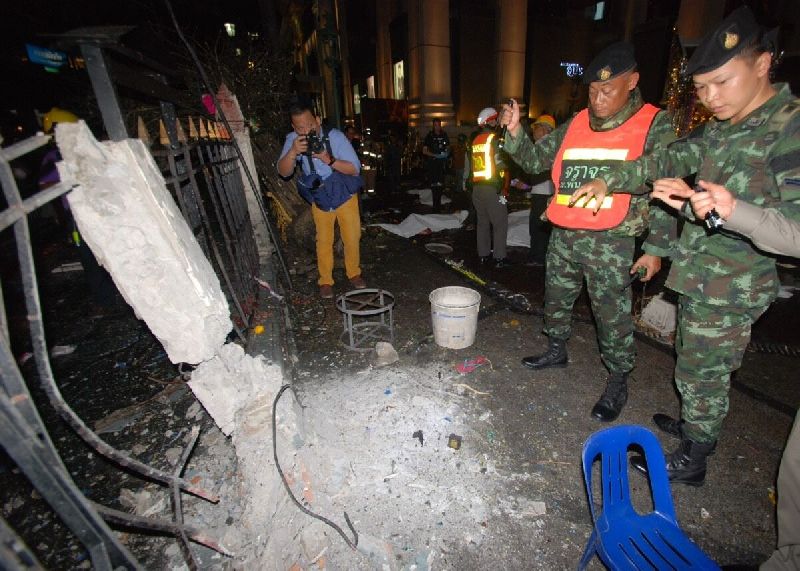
<point>489,190</point>
<point>617,126</point>
<point>436,149</point>
<point>751,147</point>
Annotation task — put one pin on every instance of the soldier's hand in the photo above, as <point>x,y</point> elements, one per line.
<point>718,197</point>
<point>649,263</point>
<point>596,189</point>
<point>672,192</point>
<point>510,117</point>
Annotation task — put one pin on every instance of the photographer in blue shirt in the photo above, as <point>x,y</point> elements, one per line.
<point>330,182</point>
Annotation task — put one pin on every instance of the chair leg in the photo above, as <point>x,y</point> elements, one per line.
<point>589,552</point>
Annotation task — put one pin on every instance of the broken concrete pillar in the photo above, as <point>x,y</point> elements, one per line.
<point>130,221</point>
<point>233,113</point>
<point>231,381</point>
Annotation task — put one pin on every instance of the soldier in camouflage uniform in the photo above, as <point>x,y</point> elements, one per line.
<point>605,258</point>
<point>752,148</point>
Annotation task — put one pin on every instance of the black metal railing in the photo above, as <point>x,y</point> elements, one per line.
<point>203,172</point>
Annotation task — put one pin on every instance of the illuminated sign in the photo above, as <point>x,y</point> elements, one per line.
<point>52,59</point>
<point>572,69</point>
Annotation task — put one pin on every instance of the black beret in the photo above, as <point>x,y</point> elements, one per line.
<point>609,63</point>
<point>728,39</point>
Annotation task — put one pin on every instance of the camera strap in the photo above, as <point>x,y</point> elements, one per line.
<point>311,168</point>
<point>327,140</point>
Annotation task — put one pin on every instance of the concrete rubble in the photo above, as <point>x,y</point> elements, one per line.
<point>133,226</point>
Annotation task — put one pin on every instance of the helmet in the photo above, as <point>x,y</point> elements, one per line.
<point>486,115</point>
<point>56,115</point>
<point>546,120</point>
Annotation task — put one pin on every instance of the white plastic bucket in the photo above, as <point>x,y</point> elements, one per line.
<point>454,312</point>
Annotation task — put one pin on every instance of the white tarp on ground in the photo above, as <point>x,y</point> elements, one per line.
<point>518,233</point>
<point>518,229</point>
<point>426,196</point>
<point>128,218</point>
<point>416,223</point>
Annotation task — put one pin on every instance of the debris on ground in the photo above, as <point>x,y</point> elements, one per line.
<point>469,365</point>
<point>385,354</point>
<point>61,350</point>
<point>661,315</point>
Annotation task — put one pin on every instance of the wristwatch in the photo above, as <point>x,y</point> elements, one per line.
<point>333,160</point>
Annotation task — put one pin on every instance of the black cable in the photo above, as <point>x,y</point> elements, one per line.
<point>304,509</point>
<point>201,70</point>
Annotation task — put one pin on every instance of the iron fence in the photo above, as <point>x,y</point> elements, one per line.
<point>203,172</point>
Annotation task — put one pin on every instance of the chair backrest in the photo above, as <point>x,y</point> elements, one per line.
<point>612,445</point>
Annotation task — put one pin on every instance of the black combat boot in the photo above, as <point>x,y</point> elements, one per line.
<point>687,465</point>
<point>555,356</point>
<point>673,427</point>
<point>613,398</point>
<point>668,424</point>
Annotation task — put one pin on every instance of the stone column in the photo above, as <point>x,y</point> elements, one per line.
<point>383,51</point>
<point>344,46</point>
<point>512,25</point>
<point>329,61</point>
<point>233,113</point>
<point>697,17</point>
<point>429,63</point>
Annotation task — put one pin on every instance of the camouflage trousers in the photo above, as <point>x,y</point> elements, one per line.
<point>787,556</point>
<point>605,262</point>
<point>710,343</point>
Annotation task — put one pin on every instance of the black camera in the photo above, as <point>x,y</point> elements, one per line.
<point>315,144</point>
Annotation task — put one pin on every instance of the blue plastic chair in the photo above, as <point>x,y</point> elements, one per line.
<point>622,538</point>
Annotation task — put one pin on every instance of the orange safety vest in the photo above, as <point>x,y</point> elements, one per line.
<point>484,169</point>
<point>583,155</point>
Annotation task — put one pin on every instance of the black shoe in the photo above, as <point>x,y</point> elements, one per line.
<point>665,423</point>
<point>555,356</point>
<point>613,399</point>
<point>502,263</point>
<point>673,427</point>
<point>484,260</point>
<point>686,465</point>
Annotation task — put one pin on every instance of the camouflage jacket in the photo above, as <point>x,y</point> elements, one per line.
<point>535,158</point>
<point>758,160</point>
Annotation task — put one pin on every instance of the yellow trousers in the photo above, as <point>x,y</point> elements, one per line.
<point>350,229</point>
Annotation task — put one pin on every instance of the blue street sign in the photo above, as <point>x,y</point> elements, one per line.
<point>46,56</point>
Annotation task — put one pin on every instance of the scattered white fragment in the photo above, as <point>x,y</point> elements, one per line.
<point>60,350</point>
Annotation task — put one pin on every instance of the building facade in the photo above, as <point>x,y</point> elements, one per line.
<point>448,59</point>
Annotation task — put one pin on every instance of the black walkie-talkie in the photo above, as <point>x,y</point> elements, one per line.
<point>501,140</point>
<point>712,218</point>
